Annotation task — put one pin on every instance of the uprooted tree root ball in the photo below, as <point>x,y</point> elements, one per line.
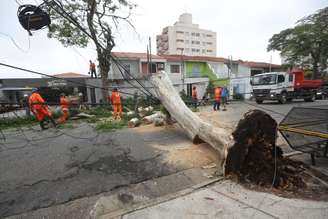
<point>255,157</point>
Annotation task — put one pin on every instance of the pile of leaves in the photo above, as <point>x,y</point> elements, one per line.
<point>255,158</point>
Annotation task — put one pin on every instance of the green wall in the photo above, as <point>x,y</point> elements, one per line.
<point>202,69</point>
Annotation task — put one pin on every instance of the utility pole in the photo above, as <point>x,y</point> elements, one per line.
<point>270,63</point>
<point>151,63</point>
<point>182,71</point>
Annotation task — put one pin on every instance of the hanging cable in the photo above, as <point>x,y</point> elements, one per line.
<point>67,16</point>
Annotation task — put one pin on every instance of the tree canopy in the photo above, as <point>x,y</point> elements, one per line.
<point>306,44</point>
<point>80,22</point>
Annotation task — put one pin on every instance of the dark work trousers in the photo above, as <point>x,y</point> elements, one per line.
<point>195,102</point>
<point>216,105</point>
<point>93,71</point>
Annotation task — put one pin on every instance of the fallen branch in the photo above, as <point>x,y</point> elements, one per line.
<point>133,123</point>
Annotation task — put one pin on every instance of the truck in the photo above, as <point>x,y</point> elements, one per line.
<point>284,86</point>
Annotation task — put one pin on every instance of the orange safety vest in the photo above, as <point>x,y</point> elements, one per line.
<point>116,98</point>
<point>36,102</point>
<point>217,94</point>
<point>194,94</point>
<point>64,103</point>
<point>92,66</point>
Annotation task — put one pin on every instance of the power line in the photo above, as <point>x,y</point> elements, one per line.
<point>51,76</point>
<point>16,44</point>
<point>77,24</point>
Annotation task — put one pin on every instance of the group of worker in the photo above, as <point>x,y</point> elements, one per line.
<point>221,95</point>
<point>40,109</point>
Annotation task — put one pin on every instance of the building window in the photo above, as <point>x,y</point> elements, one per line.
<point>204,43</point>
<point>179,32</point>
<point>160,66</point>
<point>187,33</point>
<point>127,70</point>
<point>195,50</point>
<point>175,68</point>
<point>195,42</point>
<point>193,34</point>
<point>180,40</point>
<point>187,41</point>
<point>208,35</point>
<point>209,43</point>
<point>203,51</point>
<point>209,50</point>
<point>290,77</point>
<point>198,34</point>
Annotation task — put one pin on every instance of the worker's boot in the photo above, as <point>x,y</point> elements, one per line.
<point>42,125</point>
<point>53,122</point>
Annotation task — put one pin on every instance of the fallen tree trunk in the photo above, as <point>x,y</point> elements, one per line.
<point>250,151</point>
<point>197,130</point>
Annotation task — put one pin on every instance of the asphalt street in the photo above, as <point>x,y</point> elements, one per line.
<point>44,168</point>
<point>40,169</point>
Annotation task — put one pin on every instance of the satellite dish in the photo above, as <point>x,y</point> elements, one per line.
<point>32,17</point>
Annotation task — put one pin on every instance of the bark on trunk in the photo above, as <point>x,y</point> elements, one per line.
<point>197,130</point>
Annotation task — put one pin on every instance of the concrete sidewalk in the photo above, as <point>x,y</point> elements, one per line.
<point>226,199</point>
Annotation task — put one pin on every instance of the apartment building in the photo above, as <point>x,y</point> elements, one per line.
<point>186,38</point>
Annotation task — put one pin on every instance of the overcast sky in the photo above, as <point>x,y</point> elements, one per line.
<point>243,28</point>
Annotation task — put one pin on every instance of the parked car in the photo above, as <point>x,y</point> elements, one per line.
<point>322,92</point>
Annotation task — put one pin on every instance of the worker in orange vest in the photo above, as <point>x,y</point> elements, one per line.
<point>64,105</point>
<point>217,98</point>
<point>194,96</point>
<point>39,108</point>
<point>116,101</point>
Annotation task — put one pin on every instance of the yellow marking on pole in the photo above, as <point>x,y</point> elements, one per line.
<point>304,132</point>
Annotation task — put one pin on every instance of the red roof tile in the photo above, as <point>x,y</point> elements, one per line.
<point>193,58</point>
<point>70,75</point>
<point>134,55</point>
<point>259,64</point>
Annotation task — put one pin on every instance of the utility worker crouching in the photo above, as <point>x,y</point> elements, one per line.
<point>64,105</point>
<point>116,101</point>
<point>39,108</point>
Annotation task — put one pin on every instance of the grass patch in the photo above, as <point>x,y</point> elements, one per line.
<point>109,125</point>
<point>100,111</point>
<point>6,123</point>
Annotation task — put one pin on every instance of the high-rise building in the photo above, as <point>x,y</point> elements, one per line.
<point>186,38</point>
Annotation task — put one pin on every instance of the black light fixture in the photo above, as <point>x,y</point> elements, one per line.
<point>32,17</point>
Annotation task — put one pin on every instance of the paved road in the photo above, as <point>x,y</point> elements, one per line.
<point>42,169</point>
<point>278,111</point>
